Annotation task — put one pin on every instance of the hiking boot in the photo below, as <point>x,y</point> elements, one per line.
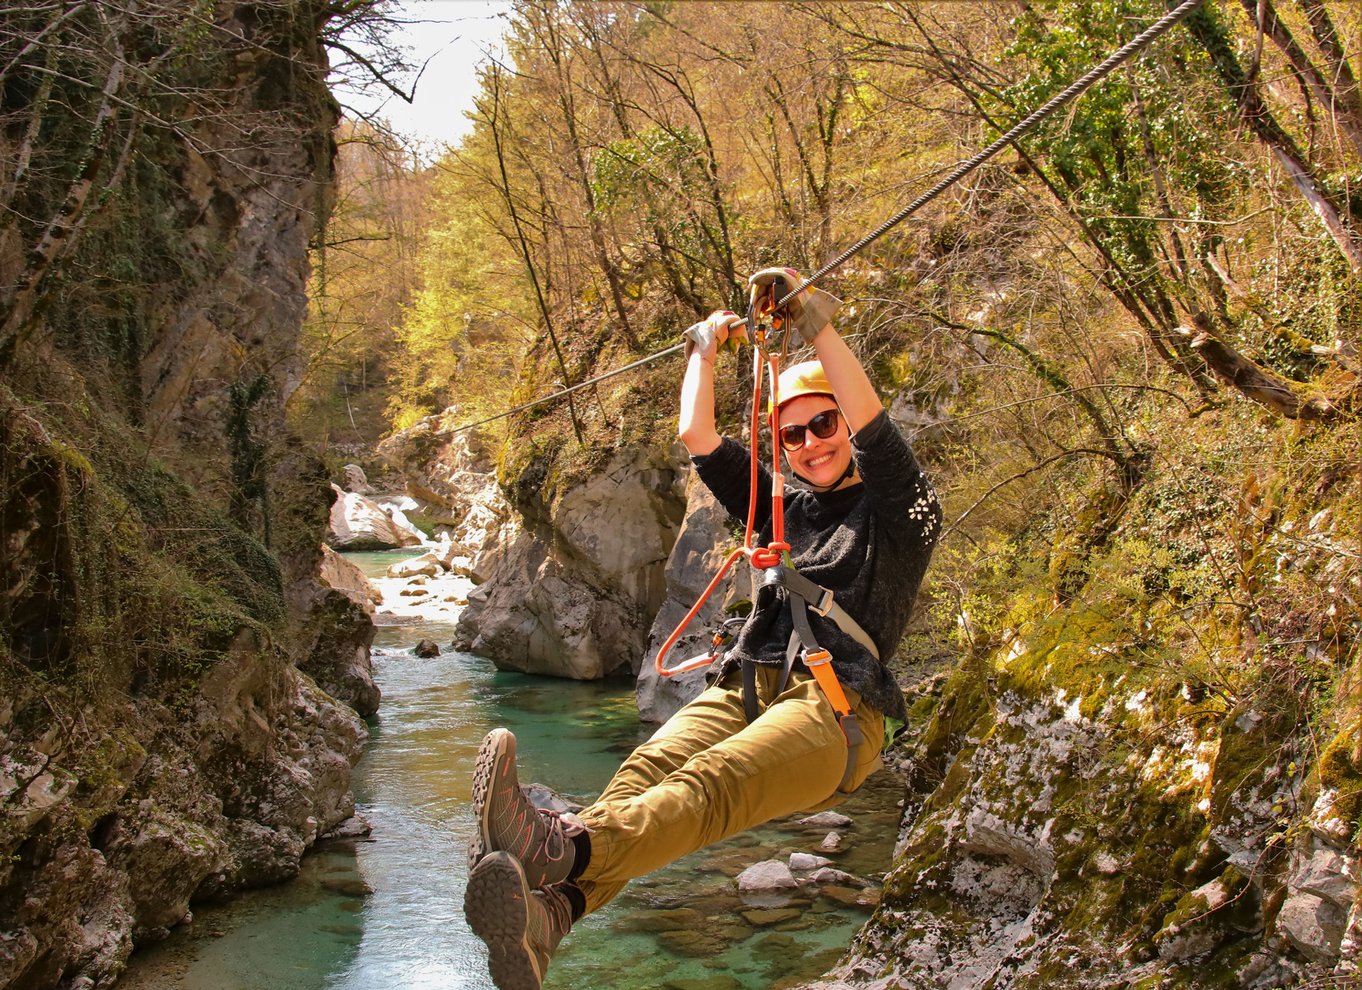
<point>521,926</point>
<point>508,822</point>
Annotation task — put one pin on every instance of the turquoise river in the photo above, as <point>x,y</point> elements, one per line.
<point>386,912</point>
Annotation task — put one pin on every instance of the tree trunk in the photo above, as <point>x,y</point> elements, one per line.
<point>1264,15</point>
<point>554,48</point>
<point>1251,379</point>
<point>59,239</point>
<point>1259,119</point>
<point>1340,72</point>
<point>522,245</point>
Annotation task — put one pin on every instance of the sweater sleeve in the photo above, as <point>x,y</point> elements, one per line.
<point>727,473</point>
<point>894,481</point>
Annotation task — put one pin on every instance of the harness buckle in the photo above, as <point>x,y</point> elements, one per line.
<point>816,658</point>
<point>825,603</point>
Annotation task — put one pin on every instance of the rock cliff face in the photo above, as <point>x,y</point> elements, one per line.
<point>704,541</point>
<point>160,531</point>
<point>568,588</point>
<point>453,479</point>
<point>1066,848</point>
<point>574,585</point>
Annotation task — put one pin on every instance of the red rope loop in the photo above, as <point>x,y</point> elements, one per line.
<point>760,558</point>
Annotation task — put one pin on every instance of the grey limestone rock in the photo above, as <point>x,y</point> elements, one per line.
<point>767,877</point>
<point>825,819</point>
<point>1313,925</point>
<point>807,862</point>
<point>359,523</point>
<point>569,587</point>
<point>702,543</point>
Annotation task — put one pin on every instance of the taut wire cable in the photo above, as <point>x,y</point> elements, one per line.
<point>1071,92</point>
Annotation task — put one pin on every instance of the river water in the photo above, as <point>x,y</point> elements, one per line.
<point>386,913</point>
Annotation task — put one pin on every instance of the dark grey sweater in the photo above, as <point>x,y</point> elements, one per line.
<point>869,544</point>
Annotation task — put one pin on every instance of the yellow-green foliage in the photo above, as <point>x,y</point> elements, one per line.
<point>1227,572</point>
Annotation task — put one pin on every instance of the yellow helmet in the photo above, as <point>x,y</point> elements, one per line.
<point>805,378</point>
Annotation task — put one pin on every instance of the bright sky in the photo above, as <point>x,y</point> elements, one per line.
<point>452,38</point>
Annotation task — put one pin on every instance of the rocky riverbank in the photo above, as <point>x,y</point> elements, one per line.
<point>162,742</point>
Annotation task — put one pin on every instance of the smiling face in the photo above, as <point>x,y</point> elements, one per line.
<point>820,461</point>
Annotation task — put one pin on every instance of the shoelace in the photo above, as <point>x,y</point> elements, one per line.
<point>560,825</point>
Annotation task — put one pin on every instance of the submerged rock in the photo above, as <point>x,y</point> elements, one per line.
<point>767,877</point>
<point>354,827</point>
<point>852,897</point>
<point>766,917</point>
<point>827,875</point>
<point>825,819</point>
<point>665,920</point>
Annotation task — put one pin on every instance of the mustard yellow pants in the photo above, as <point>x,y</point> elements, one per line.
<point>707,774</point>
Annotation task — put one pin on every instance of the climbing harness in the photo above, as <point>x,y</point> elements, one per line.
<point>766,317</point>
<point>1074,90</point>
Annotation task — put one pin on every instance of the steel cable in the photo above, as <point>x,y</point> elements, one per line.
<point>1071,92</point>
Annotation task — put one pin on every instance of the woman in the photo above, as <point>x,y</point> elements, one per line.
<point>863,527</point>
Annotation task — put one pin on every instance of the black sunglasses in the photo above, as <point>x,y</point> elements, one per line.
<point>822,426</point>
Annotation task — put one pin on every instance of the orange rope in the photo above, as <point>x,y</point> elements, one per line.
<point>773,553</point>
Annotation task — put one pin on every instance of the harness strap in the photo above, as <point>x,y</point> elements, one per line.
<point>820,665</point>
<point>749,691</point>
<point>801,593</point>
<point>820,600</point>
<point>749,680</point>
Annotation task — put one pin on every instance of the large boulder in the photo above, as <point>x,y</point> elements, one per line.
<point>359,523</point>
<point>1324,885</point>
<point>427,564</point>
<point>338,658</point>
<point>346,577</point>
<point>356,481</point>
<point>572,596</point>
<point>701,546</point>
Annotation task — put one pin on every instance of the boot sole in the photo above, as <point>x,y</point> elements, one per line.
<point>499,744</point>
<point>495,905</point>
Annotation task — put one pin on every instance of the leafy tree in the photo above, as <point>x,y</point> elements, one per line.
<point>364,273</point>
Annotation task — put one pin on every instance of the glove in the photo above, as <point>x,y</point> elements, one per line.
<point>711,334</point>
<point>810,311</point>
